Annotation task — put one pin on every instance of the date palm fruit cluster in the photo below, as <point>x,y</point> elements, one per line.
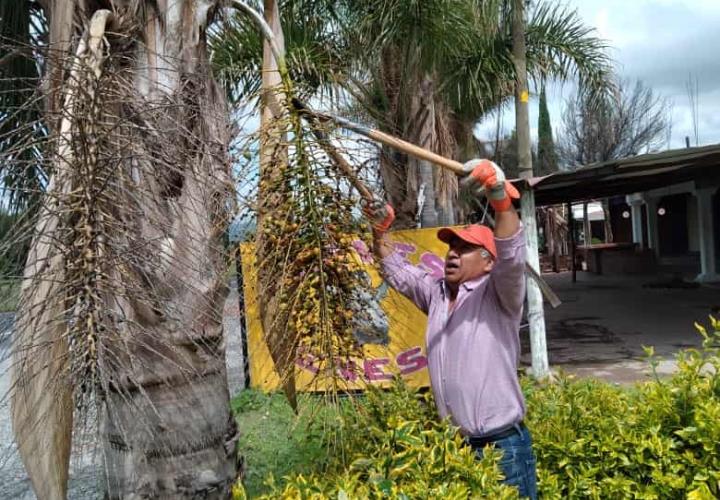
<point>309,275</point>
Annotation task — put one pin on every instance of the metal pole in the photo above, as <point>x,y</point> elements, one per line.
<point>241,316</point>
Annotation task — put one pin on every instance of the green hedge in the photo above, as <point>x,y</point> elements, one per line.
<point>660,439</point>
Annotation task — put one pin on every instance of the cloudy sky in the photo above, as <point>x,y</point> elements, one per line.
<point>662,43</point>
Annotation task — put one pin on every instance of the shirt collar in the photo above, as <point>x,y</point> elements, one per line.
<point>474,283</point>
<point>469,285</point>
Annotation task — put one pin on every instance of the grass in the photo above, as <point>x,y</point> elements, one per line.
<point>275,441</point>
<point>9,295</point>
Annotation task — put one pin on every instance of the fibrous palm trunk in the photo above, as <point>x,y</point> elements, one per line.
<point>123,293</point>
<point>427,124</point>
<point>423,132</point>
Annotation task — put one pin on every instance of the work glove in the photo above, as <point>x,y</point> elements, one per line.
<point>484,177</point>
<point>380,214</point>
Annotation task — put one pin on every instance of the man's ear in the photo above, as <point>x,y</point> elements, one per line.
<point>489,265</point>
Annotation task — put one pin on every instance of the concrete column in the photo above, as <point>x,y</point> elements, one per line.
<point>708,271</point>
<point>636,202</point>
<point>652,216</point>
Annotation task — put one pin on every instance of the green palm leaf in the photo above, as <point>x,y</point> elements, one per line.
<point>316,53</point>
<point>560,45</point>
<point>22,131</point>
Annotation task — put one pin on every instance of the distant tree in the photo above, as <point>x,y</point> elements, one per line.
<point>627,122</point>
<point>505,155</point>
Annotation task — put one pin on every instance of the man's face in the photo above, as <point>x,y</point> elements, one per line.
<point>465,261</point>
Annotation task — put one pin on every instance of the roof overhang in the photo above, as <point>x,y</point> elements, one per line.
<point>628,175</point>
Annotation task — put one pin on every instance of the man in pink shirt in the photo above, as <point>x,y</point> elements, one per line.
<point>474,312</point>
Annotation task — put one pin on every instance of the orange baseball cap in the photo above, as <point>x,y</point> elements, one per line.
<point>475,234</point>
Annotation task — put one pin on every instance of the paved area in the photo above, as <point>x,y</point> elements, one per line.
<point>233,346</point>
<point>604,321</point>
<point>84,482</point>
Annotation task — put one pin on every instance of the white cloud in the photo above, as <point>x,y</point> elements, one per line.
<point>661,42</point>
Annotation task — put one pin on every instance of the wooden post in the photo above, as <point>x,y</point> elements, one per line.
<point>535,313</point>
<point>571,229</point>
<point>553,239</point>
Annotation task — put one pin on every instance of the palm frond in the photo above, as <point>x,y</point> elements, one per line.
<point>428,32</point>
<point>22,131</point>
<point>561,45</point>
<point>316,53</point>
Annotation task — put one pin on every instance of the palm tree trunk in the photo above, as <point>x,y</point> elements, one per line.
<point>427,125</point>
<point>536,317</point>
<point>465,147</point>
<point>446,183</point>
<point>423,134</point>
<point>167,428</point>
<point>399,190</point>
<point>154,359</point>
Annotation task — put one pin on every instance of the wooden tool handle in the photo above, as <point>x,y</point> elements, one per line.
<point>416,151</point>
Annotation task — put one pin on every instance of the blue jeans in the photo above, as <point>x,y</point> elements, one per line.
<point>518,461</point>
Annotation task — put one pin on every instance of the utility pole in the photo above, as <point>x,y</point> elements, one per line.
<point>535,313</point>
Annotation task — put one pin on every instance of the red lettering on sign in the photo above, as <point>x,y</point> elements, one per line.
<point>373,369</point>
<point>411,360</point>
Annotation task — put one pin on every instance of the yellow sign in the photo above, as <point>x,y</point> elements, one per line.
<point>524,96</point>
<point>401,353</point>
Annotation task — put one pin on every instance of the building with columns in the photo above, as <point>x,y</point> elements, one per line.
<point>667,204</point>
<point>694,213</point>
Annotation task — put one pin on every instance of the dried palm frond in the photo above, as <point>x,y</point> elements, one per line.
<point>118,338</point>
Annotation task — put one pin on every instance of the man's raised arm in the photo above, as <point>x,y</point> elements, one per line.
<point>508,273</point>
<point>411,281</point>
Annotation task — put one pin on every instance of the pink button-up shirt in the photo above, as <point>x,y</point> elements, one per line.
<point>473,351</point>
